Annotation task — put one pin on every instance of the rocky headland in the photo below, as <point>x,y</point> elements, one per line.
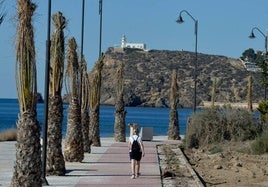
<point>147,77</point>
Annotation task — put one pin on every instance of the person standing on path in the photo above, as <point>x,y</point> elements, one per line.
<point>136,151</point>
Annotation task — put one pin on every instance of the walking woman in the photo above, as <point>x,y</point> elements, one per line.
<point>136,151</point>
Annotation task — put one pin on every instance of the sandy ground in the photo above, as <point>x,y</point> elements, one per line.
<point>230,167</point>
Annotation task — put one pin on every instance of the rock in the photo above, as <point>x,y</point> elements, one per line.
<point>218,167</point>
<point>39,98</point>
<point>238,164</point>
<point>167,174</point>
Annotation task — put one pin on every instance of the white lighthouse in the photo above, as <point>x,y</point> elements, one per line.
<point>124,44</point>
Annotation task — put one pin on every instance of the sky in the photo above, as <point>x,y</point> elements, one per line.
<point>223,29</point>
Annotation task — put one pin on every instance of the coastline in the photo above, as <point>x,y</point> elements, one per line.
<point>243,105</point>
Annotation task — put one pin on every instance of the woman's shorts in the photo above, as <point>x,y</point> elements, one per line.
<point>135,156</point>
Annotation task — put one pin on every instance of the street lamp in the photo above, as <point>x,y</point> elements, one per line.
<point>82,51</point>
<point>252,36</point>
<point>82,29</point>
<point>44,148</point>
<point>180,20</point>
<point>100,13</point>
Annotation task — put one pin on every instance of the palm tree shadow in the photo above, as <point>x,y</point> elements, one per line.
<point>73,170</point>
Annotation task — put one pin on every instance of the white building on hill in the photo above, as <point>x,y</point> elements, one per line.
<point>251,66</point>
<point>124,44</point>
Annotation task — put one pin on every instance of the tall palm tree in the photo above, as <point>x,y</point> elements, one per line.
<point>74,150</point>
<point>173,128</point>
<point>120,112</point>
<point>27,169</point>
<point>55,160</point>
<point>249,94</point>
<point>213,92</point>
<point>94,103</point>
<point>85,106</point>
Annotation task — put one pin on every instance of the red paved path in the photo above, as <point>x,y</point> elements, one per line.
<point>113,168</point>
<point>107,165</point>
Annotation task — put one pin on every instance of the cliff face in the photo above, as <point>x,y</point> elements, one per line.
<point>148,77</point>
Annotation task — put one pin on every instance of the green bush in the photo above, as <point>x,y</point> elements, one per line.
<point>263,109</point>
<point>215,125</point>
<point>260,145</point>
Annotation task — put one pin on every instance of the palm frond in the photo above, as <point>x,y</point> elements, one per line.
<point>57,54</point>
<point>95,85</point>
<point>85,85</point>
<point>25,57</point>
<point>72,71</point>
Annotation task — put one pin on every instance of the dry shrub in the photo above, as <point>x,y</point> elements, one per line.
<point>215,125</point>
<point>260,145</point>
<point>8,135</point>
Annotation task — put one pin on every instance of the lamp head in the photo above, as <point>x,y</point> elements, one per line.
<point>180,20</point>
<point>252,35</point>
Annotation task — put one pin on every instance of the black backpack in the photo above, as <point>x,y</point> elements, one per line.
<point>135,148</point>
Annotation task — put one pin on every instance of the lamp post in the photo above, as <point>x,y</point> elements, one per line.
<point>180,20</point>
<point>252,36</point>
<point>44,148</point>
<point>82,51</point>
<point>82,29</point>
<point>100,13</point>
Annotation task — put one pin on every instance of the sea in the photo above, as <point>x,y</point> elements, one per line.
<point>157,118</point>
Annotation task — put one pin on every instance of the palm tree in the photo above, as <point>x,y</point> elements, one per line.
<point>74,151</point>
<point>249,95</point>
<point>213,92</point>
<point>120,112</point>
<point>55,160</point>
<point>85,106</point>
<point>94,103</point>
<point>27,169</point>
<point>173,128</point>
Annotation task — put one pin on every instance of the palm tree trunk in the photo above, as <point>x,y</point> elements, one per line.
<point>213,92</point>
<point>27,169</point>
<point>85,130</point>
<point>120,124</point>
<point>249,95</point>
<point>74,148</point>
<point>85,105</point>
<point>94,133</point>
<point>120,113</point>
<point>173,128</point>
<point>55,160</point>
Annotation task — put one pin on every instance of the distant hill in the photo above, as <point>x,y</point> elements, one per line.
<point>148,73</point>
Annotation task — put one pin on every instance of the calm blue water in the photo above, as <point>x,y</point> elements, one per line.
<point>157,118</point>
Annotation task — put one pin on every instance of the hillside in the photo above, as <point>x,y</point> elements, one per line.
<point>147,77</point>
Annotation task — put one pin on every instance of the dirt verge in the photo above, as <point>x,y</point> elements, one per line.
<point>230,166</point>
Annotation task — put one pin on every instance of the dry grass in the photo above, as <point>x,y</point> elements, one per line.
<point>8,135</point>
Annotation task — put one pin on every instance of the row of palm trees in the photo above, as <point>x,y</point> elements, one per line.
<point>27,169</point>
<point>84,95</point>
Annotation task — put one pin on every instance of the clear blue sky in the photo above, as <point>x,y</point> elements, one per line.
<point>224,27</point>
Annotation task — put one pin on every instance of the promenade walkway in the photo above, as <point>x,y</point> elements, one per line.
<point>107,165</point>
